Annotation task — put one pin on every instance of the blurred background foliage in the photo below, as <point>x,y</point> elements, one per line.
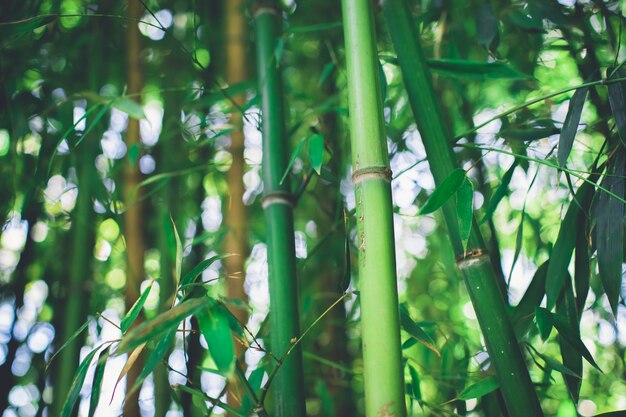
<point>64,113</point>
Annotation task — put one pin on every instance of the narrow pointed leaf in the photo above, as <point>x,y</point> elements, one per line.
<point>161,324</point>
<point>480,388</point>
<point>96,386</point>
<point>293,158</point>
<point>465,209</point>
<point>215,327</point>
<point>487,32</point>
<point>564,245</point>
<point>383,81</point>
<point>582,267</point>
<point>154,359</point>
<point>415,383</point>
<point>444,191</point>
<point>557,366</point>
<point>195,272</point>
<point>25,26</point>
<point>617,100</point>
<point>409,326</point>
<point>77,384</point>
<point>316,152</point>
<point>572,359</point>
<point>130,361</point>
<point>621,413</point>
<point>129,106</point>
<point>523,313</point>
<point>134,311</point>
<point>475,70</point>
<point>500,192</point>
<point>544,322</point>
<point>610,230</point>
<point>570,125</point>
<point>178,259</point>
<point>67,342</point>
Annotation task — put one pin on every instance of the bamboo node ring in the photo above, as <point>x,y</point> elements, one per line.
<point>260,9</point>
<point>371,173</point>
<point>277,197</point>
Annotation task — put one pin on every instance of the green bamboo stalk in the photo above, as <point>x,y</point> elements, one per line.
<point>382,353</point>
<point>288,387</point>
<point>504,351</point>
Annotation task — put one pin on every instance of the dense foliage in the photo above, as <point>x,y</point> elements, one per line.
<point>134,249</point>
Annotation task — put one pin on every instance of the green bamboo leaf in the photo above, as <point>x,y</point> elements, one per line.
<point>500,192</point>
<point>178,263</point>
<point>326,71</point>
<point>415,331</point>
<point>566,331</point>
<point>444,191</point>
<point>316,152</point>
<point>610,230</point>
<point>294,156</point>
<point>487,33</point>
<point>582,267</point>
<point>621,413</point>
<point>215,327</point>
<point>572,359</point>
<point>25,26</point>
<point>96,386</point>
<point>415,383</point>
<point>161,324</point>
<point>557,366</point>
<point>475,70</point>
<point>480,388</point>
<point>383,81</point>
<point>77,384</point>
<point>129,106</point>
<point>67,342</point>
<point>570,125</point>
<point>195,272</point>
<point>526,135</point>
<point>156,356</point>
<point>617,101</point>
<point>523,313</point>
<point>465,209</point>
<point>134,311</point>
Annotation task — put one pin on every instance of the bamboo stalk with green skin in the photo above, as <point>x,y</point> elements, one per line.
<point>287,388</point>
<point>505,354</point>
<point>380,327</point>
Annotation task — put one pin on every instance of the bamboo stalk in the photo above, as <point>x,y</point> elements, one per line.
<point>382,354</point>
<point>504,351</point>
<point>287,387</point>
<point>133,230</point>
<point>235,213</point>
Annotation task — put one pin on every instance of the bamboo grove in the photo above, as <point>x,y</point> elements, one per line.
<point>290,208</point>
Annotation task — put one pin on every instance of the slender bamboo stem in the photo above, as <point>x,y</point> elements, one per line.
<point>382,355</point>
<point>133,230</point>
<point>502,345</point>
<point>235,212</point>
<point>287,388</point>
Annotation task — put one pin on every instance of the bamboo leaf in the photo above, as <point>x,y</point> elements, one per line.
<point>487,27</point>
<point>409,326</point>
<point>566,331</point>
<point>500,192</point>
<point>215,327</point>
<point>130,361</point>
<point>570,125</point>
<point>77,384</point>
<point>195,272</point>
<point>617,101</point>
<point>156,356</point>
<point>480,388</point>
<point>294,156</point>
<point>556,365</point>
<point>465,209</point>
<point>134,311</point>
<point>67,342</point>
<point>383,81</point>
<point>582,268</point>
<point>572,359</point>
<point>96,386</point>
<point>533,133</point>
<point>328,69</point>
<point>523,313</point>
<point>129,106</point>
<point>610,229</point>
<point>621,413</point>
<point>564,245</point>
<point>25,26</point>
<point>178,259</point>
<point>444,191</point>
<point>475,70</point>
<point>544,322</point>
<point>415,383</point>
<point>316,152</point>
<point>161,324</point>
